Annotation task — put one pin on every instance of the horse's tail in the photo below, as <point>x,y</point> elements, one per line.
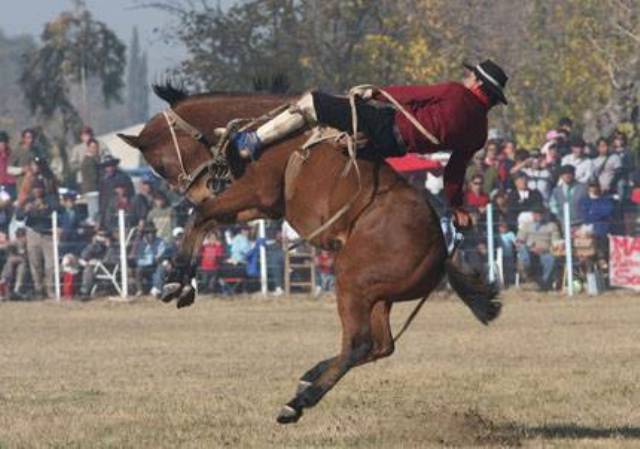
<point>478,295</point>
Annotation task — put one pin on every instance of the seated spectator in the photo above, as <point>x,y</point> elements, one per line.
<point>489,173</point>
<point>15,266</point>
<point>100,250</point>
<point>521,200</point>
<point>324,268</point>
<point>211,255</point>
<point>506,161</point>
<point>148,251</point>
<point>118,201</point>
<point>568,190</point>
<point>239,247</point>
<point>166,262</point>
<point>520,162</point>
<point>507,241</point>
<point>474,198</point>
<point>70,217</point>
<point>535,240</point>
<point>628,165</point>
<point>606,166</point>
<point>578,159</point>
<point>7,180</point>
<point>597,211</point>
<point>538,175</point>
<point>161,215</point>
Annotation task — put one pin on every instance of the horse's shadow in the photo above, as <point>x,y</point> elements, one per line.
<point>574,431</point>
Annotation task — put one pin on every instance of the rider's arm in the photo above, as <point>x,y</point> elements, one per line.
<point>454,176</point>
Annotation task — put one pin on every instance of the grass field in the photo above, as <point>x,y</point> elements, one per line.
<point>549,373</point>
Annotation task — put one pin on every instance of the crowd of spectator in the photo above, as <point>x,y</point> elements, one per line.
<point>87,208</point>
<point>528,188</point>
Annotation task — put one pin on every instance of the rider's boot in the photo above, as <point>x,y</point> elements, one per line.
<point>303,113</point>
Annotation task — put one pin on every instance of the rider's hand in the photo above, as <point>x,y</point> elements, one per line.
<point>461,218</point>
<point>366,93</point>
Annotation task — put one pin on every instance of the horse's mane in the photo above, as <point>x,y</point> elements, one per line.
<point>170,93</point>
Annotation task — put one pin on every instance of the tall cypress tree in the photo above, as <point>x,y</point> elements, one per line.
<point>138,94</point>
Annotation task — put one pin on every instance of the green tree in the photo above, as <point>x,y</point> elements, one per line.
<point>75,47</point>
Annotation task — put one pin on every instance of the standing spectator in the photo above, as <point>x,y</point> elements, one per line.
<point>579,161</point>
<point>111,178</point>
<point>597,212</point>
<point>90,175</point>
<point>535,240</point>
<point>15,267</point>
<point>37,169</point>
<point>474,198</point>
<point>161,215</point>
<point>119,201</point>
<point>7,180</point>
<point>538,175</point>
<point>37,212</point>
<point>567,190</point>
<point>28,152</point>
<point>565,124</point>
<point>70,217</point>
<point>606,166</point>
<point>628,165</point>
<point>521,199</point>
<point>142,202</point>
<point>489,173</point>
<point>79,152</point>
<point>148,250</point>
<point>507,159</point>
<point>326,276</point>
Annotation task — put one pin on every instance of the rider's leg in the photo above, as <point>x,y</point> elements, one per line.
<point>378,123</point>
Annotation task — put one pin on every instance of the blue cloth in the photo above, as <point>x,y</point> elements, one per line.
<point>253,259</point>
<point>599,213</point>
<point>150,253</point>
<point>247,140</point>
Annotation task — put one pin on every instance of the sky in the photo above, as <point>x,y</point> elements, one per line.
<point>29,17</point>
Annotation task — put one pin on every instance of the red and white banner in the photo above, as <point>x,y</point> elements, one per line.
<point>624,261</point>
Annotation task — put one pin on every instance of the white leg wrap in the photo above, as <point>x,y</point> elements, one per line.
<point>289,121</point>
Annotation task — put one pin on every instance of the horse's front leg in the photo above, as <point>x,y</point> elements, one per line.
<point>241,202</point>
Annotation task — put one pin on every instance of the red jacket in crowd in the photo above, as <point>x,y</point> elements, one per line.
<point>455,115</point>
<point>211,255</point>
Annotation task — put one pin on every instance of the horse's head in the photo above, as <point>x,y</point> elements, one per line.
<point>178,152</point>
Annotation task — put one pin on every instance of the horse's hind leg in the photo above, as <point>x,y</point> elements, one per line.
<point>366,337</point>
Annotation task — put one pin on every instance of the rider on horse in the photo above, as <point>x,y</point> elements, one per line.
<point>454,113</point>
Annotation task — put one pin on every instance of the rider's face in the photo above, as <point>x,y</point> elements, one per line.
<point>470,80</point>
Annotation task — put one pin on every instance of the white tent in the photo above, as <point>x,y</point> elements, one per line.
<point>130,157</point>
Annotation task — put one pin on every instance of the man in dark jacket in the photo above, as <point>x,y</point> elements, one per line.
<point>453,113</point>
<point>521,199</point>
<point>112,178</point>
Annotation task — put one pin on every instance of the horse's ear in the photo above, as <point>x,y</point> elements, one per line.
<point>134,141</point>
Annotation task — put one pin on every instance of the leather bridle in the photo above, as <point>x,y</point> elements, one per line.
<point>217,167</point>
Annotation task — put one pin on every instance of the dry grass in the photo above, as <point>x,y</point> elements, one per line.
<point>549,373</point>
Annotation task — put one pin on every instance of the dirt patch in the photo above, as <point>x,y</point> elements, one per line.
<point>471,428</point>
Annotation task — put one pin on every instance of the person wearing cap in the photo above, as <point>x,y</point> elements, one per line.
<point>36,212</point>
<point>577,158</point>
<point>567,190</point>
<point>455,113</point>
<point>111,177</point>
<point>534,241</point>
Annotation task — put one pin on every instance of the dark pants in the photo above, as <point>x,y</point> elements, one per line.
<point>378,123</point>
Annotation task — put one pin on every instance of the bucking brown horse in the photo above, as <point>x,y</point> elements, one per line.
<point>388,243</point>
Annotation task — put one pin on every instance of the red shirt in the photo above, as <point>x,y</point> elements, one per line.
<point>455,115</point>
<point>324,262</point>
<point>211,255</point>
<point>476,201</point>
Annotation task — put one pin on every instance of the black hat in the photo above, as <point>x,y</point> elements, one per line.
<point>4,137</point>
<point>567,169</point>
<point>109,161</point>
<point>492,76</point>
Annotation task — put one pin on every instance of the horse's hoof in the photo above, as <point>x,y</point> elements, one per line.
<point>187,297</point>
<point>302,385</point>
<point>289,415</point>
<point>170,291</point>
